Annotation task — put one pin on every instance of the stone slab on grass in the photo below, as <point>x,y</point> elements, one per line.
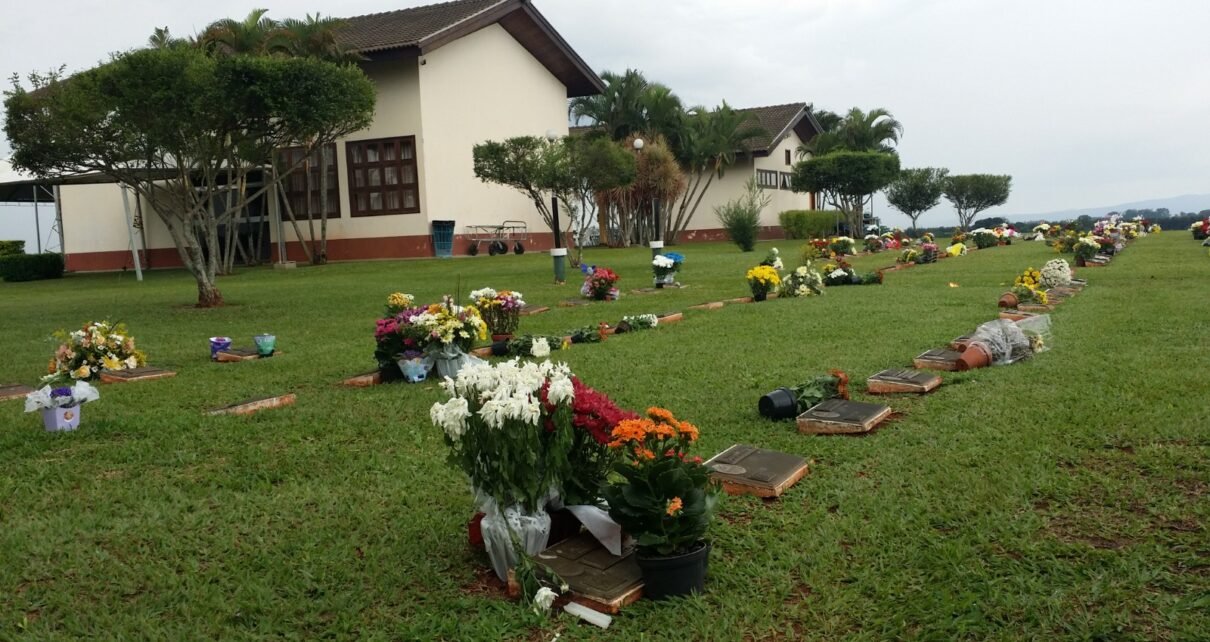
<point>231,355</point>
<point>256,404</point>
<point>902,380</point>
<point>717,305</point>
<point>748,470</point>
<point>364,380</point>
<point>670,317</point>
<point>530,310</point>
<point>596,578</point>
<point>142,373</point>
<point>14,391</point>
<point>842,416</point>
<point>937,359</point>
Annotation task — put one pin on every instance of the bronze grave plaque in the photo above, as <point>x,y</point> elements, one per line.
<point>937,359</point>
<point>841,416</point>
<point>13,391</point>
<point>255,404</point>
<point>748,470</point>
<point>895,380</point>
<point>597,579</point>
<point>142,373</point>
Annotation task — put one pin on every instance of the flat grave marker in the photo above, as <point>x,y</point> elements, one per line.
<point>231,355</point>
<point>256,404</point>
<point>937,359</point>
<point>897,380</point>
<point>717,305</point>
<point>670,317</point>
<point>14,391</point>
<point>142,373</point>
<point>364,380</point>
<point>530,310</point>
<point>841,416</point>
<point>596,578</point>
<point>748,470</point>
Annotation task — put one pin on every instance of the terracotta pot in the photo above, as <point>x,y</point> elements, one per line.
<point>976,355</point>
<point>1008,300</point>
<point>502,337</point>
<point>474,532</point>
<point>1080,262</point>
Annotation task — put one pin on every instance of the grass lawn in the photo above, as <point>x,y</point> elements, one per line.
<point>1060,498</point>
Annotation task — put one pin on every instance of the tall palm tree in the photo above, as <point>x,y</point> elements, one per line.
<point>710,141</point>
<point>255,34</point>
<point>315,37</point>
<point>631,104</point>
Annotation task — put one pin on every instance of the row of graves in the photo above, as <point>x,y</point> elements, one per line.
<point>583,505</point>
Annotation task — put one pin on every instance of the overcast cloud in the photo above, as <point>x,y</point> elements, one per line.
<point>1082,102</point>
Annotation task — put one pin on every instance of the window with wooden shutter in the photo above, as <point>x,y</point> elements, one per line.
<point>383,176</point>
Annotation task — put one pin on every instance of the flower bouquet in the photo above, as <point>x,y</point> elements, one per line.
<point>84,353</point>
<point>908,256</point>
<point>448,332</point>
<point>928,253</point>
<point>805,280</point>
<point>984,238</point>
<point>664,499</point>
<point>873,243</point>
<point>1085,248</point>
<point>957,249</point>
<point>1025,287</point>
<point>1056,273</point>
<point>501,311</point>
<point>599,283</point>
<point>60,407</point>
<point>842,245</point>
<point>773,260</point>
<point>633,323</point>
<point>394,334</point>
<point>664,269</point>
<point>762,280</point>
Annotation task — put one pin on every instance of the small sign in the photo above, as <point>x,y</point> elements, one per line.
<point>748,470</point>
<point>596,578</point>
<point>937,359</point>
<point>895,380</point>
<point>13,391</point>
<point>841,416</point>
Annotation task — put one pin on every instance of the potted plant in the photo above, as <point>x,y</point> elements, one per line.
<point>501,311</point>
<point>599,283</point>
<point>762,279</point>
<point>841,245</point>
<point>788,403</point>
<point>664,269</point>
<point>928,253</point>
<point>448,333</point>
<point>665,500</point>
<point>873,243</point>
<point>82,354</point>
<point>1056,273</point>
<point>60,406</point>
<point>1085,248</point>
<point>804,280</point>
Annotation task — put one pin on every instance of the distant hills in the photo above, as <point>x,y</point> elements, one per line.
<point>1175,205</point>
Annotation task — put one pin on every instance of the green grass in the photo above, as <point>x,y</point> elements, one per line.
<point>1061,498</point>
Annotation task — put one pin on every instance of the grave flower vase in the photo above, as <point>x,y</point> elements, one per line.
<point>61,419</point>
<point>674,575</point>
<point>779,404</point>
<point>1008,300</point>
<point>449,359</point>
<point>760,296</point>
<point>976,355</point>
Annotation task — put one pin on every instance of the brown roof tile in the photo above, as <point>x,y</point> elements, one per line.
<point>775,120</point>
<point>407,27</point>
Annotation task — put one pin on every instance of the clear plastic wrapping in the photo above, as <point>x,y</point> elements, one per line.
<point>1037,330</point>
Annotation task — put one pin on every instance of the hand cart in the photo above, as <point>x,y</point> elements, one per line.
<point>498,237</point>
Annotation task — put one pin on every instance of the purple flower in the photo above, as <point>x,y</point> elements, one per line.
<point>60,392</point>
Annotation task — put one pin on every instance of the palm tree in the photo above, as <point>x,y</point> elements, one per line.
<point>255,34</point>
<point>631,104</point>
<point>315,37</point>
<point>856,131</point>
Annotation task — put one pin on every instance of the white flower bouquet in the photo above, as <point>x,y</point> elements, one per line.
<point>60,407</point>
<point>1056,273</point>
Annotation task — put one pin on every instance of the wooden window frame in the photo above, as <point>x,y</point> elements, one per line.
<point>761,174</point>
<point>785,180</point>
<point>298,196</point>
<point>399,163</point>
<point>789,158</point>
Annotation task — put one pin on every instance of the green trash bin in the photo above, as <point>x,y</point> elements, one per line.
<point>443,239</point>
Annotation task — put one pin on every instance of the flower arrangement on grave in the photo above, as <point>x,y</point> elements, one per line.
<point>957,249</point>
<point>1154,228</point>
<point>501,311</point>
<point>872,243</point>
<point>820,244</point>
<point>1055,273</point>
<point>1065,241</point>
<point>839,272</point>
<point>773,260</point>
<point>664,267</point>
<point>804,280</point>
<point>1200,229</point>
<point>958,237</point>
<point>60,406</point>
<point>762,280</point>
<point>83,354</point>
<point>538,347</point>
<point>594,416</point>
<point>1042,228</point>
<point>634,323</point>
<point>1025,287</point>
<point>1086,247</point>
<point>928,253</point>
<point>589,334</point>
<point>665,499</point>
<point>928,237</point>
<point>842,245</point>
<point>442,331</point>
<point>908,256</point>
<point>809,393</point>
<point>394,334</point>
<point>984,238</point>
<point>599,283</point>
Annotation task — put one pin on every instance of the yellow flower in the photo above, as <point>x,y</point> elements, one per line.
<point>83,372</point>
<point>399,300</point>
<point>110,362</point>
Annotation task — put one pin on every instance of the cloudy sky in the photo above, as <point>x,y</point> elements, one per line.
<point>1083,102</point>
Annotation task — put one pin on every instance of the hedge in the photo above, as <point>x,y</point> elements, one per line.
<point>809,224</point>
<point>8,248</point>
<point>31,267</point>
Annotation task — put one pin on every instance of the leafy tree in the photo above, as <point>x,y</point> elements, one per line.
<point>595,164</point>
<point>658,179</point>
<point>916,191</point>
<point>847,179</point>
<point>973,193</point>
<point>528,164</point>
<point>857,131</point>
<point>184,130</point>
<point>631,104</point>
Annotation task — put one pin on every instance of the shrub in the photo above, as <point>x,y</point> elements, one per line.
<point>8,248</point>
<point>741,217</point>
<point>31,267</point>
<point>808,224</point>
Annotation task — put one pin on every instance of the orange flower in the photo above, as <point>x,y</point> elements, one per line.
<point>644,453</point>
<point>660,414</point>
<point>674,506</point>
<point>687,429</point>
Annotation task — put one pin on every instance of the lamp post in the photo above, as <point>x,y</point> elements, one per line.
<point>657,245</point>
<point>558,253</point>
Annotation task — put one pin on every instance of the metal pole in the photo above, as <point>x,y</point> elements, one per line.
<point>37,222</point>
<point>58,196</point>
<point>134,252</point>
<point>657,246</point>
<point>558,254</point>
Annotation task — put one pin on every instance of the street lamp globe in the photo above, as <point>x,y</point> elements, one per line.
<point>551,135</point>
<point>638,144</point>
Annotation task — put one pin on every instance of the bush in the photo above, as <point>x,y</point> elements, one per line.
<point>31,267</point>
<point>808,224</point>
<point>741,217</point>
<point>8,248</point>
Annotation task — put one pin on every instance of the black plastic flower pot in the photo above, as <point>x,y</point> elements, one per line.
<point>779,404</point>
<point>675,575</point>
<point>622,328</point>
<point>500,349</point>
<point>760,296</point>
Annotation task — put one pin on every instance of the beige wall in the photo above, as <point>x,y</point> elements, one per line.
<point>94,220</point>
<point>731,185</point>
<point>484,86</point>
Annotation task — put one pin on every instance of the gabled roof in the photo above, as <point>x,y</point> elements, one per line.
<point>420,30</point>
<point>778,121</point>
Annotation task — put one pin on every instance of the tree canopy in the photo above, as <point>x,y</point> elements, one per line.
<point>974,193</point>
<point>847,179</point>
<point>916,191</point>
<point>857,131</point>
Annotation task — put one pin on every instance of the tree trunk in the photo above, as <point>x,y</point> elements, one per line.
<point>284,201</point>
